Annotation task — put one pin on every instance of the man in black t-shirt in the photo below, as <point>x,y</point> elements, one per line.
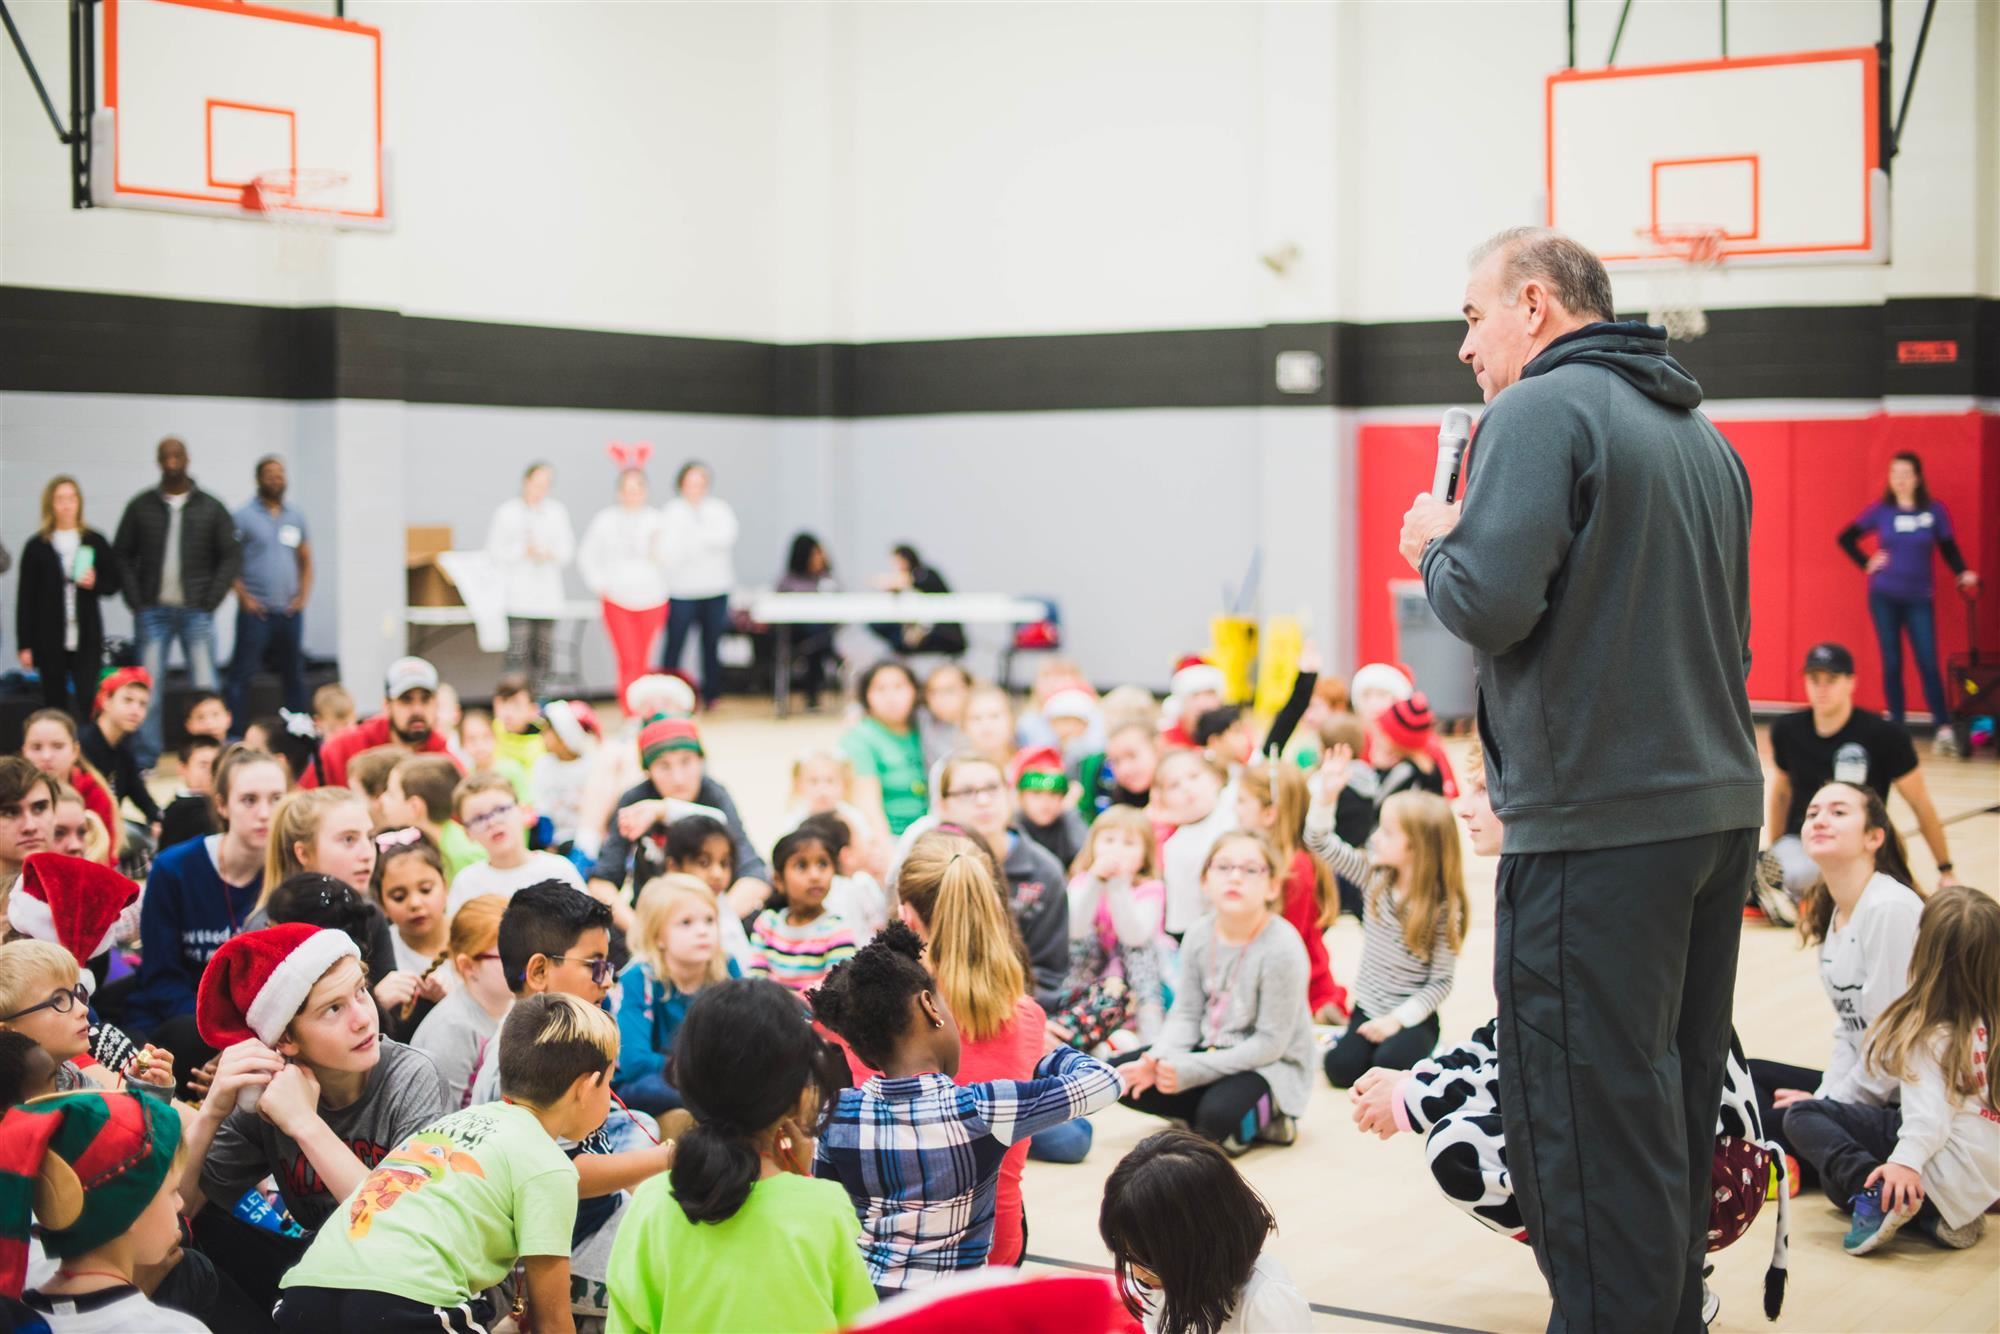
<point>1832,741</point>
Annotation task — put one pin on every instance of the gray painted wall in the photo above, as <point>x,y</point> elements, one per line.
<point>1133,521</point>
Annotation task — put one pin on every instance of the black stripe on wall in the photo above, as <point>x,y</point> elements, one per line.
<point>93,342</point>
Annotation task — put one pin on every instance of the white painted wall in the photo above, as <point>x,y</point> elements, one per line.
<point>803,172</point>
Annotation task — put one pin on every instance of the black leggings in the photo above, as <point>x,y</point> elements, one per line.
<point>1847,1141</point>
<point>1236,1106</point>
<point>1354,1055</point>
<point>1768,1077</point>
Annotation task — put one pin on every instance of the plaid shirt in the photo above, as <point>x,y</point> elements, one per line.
<point>920,1158</point>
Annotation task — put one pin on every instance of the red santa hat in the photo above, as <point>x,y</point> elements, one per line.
<point>1392,679</point>
<point>71,902</point>
<point>256,984</point>
<point>1194,674</point>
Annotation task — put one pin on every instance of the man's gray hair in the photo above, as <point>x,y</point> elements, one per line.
<point>1571,272</point>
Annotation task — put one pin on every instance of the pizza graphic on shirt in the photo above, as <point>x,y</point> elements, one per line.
<point>423,1158</point>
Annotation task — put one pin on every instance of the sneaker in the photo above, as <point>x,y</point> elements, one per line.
<point>1284,1130</point>
<point>1711,1305</point>
<point>1954,1238</point>
<point>1235,1147</point>
<point>1767,891</point>
<point>1944,745</point>
<point>1873,1225</point>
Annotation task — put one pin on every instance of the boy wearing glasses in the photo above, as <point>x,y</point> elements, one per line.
<point>484,803</point>
<point>555,940</point>
<point>43,998</point>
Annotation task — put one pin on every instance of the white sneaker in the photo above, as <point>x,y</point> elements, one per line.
<point>1711,1305</point>
<point>1958,1238</point>
<point>1944,745</point>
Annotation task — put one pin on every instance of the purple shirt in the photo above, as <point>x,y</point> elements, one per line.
<point>1909,536</point>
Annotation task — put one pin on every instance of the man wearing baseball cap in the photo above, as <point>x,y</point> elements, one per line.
<point>1834,742</point>
<point>408,718</point>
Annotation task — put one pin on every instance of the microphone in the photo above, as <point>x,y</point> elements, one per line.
<point>1453,436</point>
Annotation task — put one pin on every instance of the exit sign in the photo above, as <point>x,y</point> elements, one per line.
<point>1938,353</point>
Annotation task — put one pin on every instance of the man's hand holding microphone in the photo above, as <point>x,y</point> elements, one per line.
<point>1435,512</point>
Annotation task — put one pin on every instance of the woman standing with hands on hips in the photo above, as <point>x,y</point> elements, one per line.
<point>1908,526</point>
<point>698,540</point>
<point>65,569</point>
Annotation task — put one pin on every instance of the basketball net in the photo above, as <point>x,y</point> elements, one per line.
<point>1697,255</point>
<point>302,204</point>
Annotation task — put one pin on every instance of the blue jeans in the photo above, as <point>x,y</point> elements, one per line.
<point>712,615</point>
<point>1066,1143</point>
<point>158,627</point>
<point>1893,619</point>
<point>276,634</point>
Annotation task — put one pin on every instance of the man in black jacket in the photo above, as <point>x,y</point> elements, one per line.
<point>177,547</point>
<point>1600,570</point>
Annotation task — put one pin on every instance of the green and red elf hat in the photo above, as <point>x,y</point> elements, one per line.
<point>1039,769</point>
<point>85,1165</point>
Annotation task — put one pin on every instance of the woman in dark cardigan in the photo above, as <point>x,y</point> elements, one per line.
<point>58,623</point>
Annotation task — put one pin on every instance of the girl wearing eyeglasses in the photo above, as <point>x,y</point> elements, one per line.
<point>457,1031</point>
<point>1235,1058</point>
<point>977,799</point>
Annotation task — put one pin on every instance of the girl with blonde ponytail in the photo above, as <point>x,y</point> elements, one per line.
<point>949,890</point>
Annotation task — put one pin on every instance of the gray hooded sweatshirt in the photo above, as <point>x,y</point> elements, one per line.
<point>1600,570</point>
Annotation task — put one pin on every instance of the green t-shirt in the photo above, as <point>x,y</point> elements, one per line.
<point>447,1214</point>
<point>457,848</point>
<point>897,763</point>
<point>787,1261</point>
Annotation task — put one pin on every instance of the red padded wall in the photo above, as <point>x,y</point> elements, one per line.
<point>1809,478</point>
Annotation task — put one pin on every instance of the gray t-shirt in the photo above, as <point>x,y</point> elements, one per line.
<point>271,545</point>
<point>455,1035</point>
<point>404,1093</point>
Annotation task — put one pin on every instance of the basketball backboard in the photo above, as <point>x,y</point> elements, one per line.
<point>1775,158</point>
<point>204,98</point>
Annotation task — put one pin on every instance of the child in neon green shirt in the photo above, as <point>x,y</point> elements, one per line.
<point>740,1236</point>
<point>445,1215</point>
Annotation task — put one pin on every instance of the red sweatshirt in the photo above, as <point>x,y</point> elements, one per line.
<point>1302,911</point>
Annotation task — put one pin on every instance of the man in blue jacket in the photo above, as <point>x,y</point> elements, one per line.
<point>1599,567</point>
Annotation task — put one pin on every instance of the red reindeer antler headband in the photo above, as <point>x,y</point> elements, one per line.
<point>630,455</point>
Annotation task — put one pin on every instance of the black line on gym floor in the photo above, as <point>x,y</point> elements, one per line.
<point>1346,1312</point>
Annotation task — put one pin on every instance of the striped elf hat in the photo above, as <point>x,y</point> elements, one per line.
<point>84,1165</point>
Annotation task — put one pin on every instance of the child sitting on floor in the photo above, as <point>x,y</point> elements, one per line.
<point>1117,954</point>
<point>1934,1160</point>
<point>1234,1060</point>
<point>1187,1266</point>
<point>1047,816</point>
<point>797,944</point>
<point>740,1235</point>
<point>191,814</point>
<point>676,943</point>
<point>103,1171</point>
<point>290,1010</point>
<point>458,1029</point>
<point>1272,798</point>
<point>823,784</point>
<point>446,1215</point>
<point>485,804</point>
<point>1415,922</point>
<point>919,1155</point>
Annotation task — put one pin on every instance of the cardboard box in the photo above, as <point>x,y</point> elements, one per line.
<point>428,584</point>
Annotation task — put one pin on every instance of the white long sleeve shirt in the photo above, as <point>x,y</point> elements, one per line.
<point>623,557</point>
<point>699,542</point>
<point>1949,1138</point>
<point>1865,966</point>
<point>533,585</point>
<point>1180,864</point>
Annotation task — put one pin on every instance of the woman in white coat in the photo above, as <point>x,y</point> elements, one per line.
<point>622,561</point>
<point>529,543</point>
<point>700,548</point>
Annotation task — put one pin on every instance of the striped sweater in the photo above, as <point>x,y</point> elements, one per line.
<point>798,956</point>
<point>1392,981</point>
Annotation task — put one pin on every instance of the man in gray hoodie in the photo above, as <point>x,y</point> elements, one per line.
<point>1599,567</point>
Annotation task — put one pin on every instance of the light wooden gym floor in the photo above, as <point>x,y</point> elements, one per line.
<point>1362,1229</point>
